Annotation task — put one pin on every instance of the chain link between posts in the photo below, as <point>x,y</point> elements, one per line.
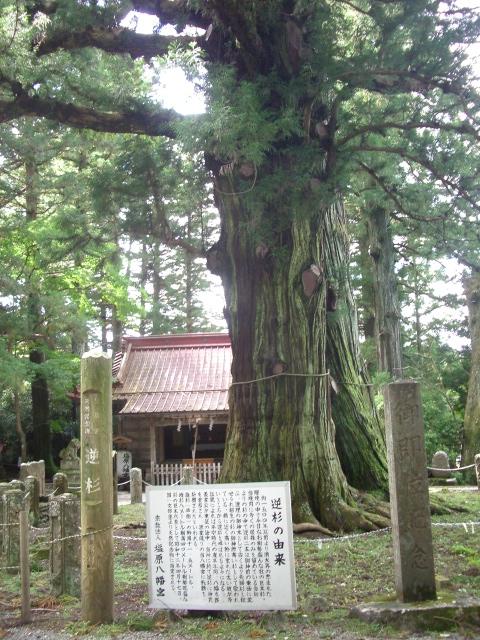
<point>318,541</point>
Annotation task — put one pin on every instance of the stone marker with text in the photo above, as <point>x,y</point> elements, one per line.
<point>407,467</point>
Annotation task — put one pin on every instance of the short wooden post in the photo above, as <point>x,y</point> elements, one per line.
<point>26,615</point>
<point>477,469</point>
<point>409,498</point>
<point>96,488</point>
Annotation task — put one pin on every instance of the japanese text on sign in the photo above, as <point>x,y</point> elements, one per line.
<point>221,547</point>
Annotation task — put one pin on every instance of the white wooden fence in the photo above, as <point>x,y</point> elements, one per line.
<point>167,474</point>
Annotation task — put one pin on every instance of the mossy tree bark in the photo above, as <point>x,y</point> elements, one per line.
<point>359,434</point>
<point>278,296</point>
<point>471,437</point>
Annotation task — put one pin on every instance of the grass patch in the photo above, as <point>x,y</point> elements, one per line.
<point>342,572</point>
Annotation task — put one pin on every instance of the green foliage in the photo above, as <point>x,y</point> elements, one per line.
<point>443,373</point>
<point>238,126</point>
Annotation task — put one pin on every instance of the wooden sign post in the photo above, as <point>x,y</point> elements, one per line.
<point>97,489</point>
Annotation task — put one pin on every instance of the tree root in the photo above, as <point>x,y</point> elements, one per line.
<point>306,527</point>
<point>354,518</point>
<point>439,507</point>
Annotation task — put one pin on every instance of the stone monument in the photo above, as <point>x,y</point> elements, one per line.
<point>409,499</point>
<point>441,465</point>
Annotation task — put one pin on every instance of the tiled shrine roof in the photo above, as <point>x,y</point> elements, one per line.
<point>174,374</point>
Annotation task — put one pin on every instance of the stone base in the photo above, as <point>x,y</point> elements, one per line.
<point>442,482</point>
<point>434,615</point>
<point>73,477</point>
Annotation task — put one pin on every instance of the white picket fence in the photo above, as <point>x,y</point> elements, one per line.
<point>167,474</point>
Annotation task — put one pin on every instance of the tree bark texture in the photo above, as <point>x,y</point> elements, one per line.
<point>42,449</point>
<point>367,298</point>
<point>471,437</point>
<point>281,425</point>
<point>359,434</point>
<point>19,428</point>
<point>387,308</point>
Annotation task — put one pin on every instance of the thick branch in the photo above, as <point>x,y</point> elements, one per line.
<point>462,129</point>
<point>398,205</point>
<point>167,11</point>
<point>113,41</point>
<point>172,12</point>
<point>162,228</point>
<point>152,124</point>
<point>386,80</point>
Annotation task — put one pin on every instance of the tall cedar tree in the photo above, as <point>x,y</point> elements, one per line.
<point>289,86</point>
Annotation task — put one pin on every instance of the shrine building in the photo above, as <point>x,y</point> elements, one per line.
<point>170,403</point>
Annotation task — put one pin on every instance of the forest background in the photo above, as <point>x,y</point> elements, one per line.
<point>102,236</point>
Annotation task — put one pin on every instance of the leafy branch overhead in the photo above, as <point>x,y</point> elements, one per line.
<point>337,55</point>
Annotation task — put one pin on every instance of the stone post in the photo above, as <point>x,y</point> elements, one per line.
<point>60,484</point>
<point>4,486</point>
<point>26,615</point>
<point>36,469</point>
<point>17,485</point>
<point>477,469</point>
<point>187,475</point>
<point>39,472</point>
<point>115,483</point>
<point>65,550</point>
<point>32,499</point>
<point>96,488</point>
<point>135,485</point>
<point>409,498</point>
<point>13,503</point>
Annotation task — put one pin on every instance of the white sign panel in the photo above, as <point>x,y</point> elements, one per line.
<point>227,546</point>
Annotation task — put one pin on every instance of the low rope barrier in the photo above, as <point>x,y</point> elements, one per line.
<point>317,541</point>
<point>470,466</point>
<point>321,541</point>
<point>280,375</point>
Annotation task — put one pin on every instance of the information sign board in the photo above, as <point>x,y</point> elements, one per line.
<point>221,547</point>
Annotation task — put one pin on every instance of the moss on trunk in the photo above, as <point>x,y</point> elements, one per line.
<point>281,425</point>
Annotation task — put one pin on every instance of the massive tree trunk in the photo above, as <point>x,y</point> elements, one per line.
<point>387,308</point>
<point>471,437</point>
<point>359,434</point>
<point>367,319</point>
<point>19,428</point>
<point>279,293</point>
<point>42,447</point>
